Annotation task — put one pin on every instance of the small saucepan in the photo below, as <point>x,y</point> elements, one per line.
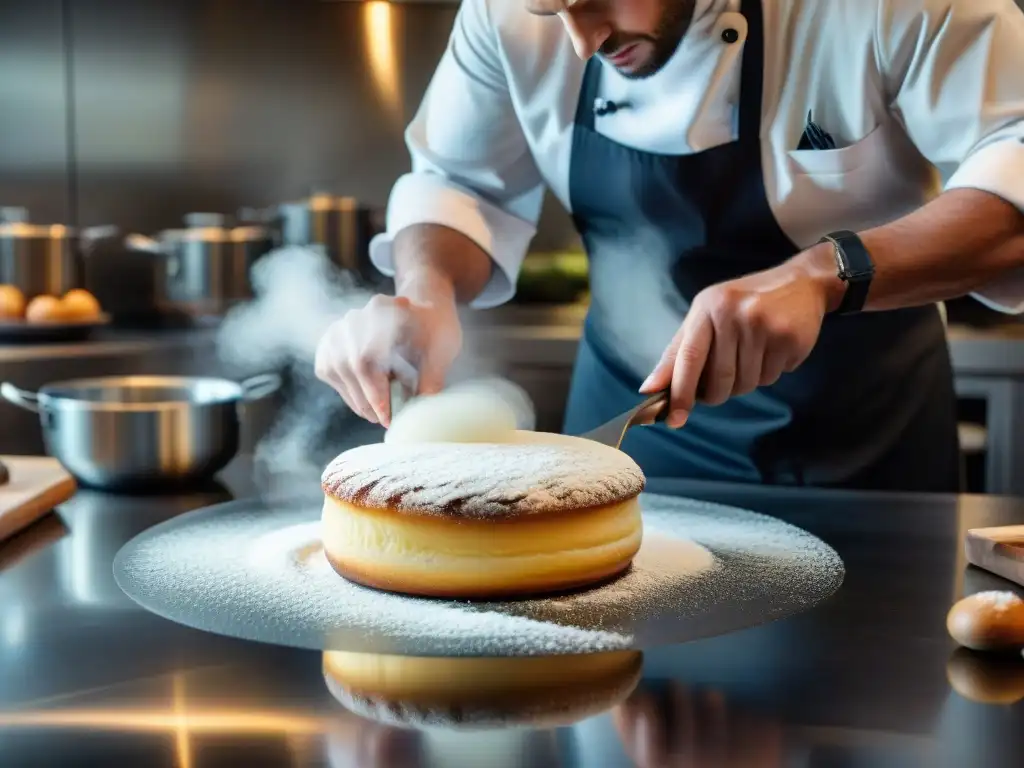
<point>141,433</point>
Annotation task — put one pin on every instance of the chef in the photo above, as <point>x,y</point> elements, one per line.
<point>774,196</point>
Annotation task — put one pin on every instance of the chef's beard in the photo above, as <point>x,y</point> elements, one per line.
<point>676,16</point>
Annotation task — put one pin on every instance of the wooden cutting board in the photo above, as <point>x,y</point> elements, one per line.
<point>999,550</point>
<point>36,485</point>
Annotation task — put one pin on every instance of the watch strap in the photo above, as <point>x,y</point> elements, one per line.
<point>855,268</point>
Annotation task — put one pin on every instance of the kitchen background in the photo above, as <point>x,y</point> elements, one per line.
<point>137,112</point>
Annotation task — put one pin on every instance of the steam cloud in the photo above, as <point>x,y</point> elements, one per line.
<point>298,294</point>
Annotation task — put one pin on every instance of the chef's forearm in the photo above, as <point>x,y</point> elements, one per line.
<point>950,247</point>
<point>437,263</point>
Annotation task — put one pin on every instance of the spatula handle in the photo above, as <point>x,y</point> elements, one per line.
<point>654,409</point>
<point>662,398</point>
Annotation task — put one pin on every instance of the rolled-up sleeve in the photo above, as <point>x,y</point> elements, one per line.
<point>472,169</point>
<point>954,70</point>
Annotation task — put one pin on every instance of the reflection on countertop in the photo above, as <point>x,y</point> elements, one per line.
<point>279,715</point>
<point>480,693</point>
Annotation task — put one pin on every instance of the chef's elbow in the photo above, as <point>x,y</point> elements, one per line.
<point>427,198</point>
<point>996,167</point>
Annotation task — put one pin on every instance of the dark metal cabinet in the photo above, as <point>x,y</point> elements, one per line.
<point>34,150</point>
<point>210,106</point>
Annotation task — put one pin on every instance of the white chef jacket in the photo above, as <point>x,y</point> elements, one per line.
<point>910,90</point>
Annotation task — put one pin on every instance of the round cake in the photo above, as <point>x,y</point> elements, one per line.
<point>540,513</point>
<point>478,692</point>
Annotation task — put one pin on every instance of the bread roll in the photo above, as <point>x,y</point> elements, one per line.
<point>81,306</point>
<point>988,621</point>
<point>12,303</point>
<point>45,309</point>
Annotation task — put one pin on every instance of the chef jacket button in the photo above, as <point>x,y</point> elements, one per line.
<point>730,35</point>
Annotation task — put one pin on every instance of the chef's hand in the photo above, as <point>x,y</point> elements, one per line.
<point>694,730</point>
<point>357,354</point>
<point>740,335</point>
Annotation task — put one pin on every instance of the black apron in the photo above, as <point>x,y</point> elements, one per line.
<point>873,406</point>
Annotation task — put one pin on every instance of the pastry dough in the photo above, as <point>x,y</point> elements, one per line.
<point>482,411</point>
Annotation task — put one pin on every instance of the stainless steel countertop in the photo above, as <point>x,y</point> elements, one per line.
<point>110,343</point>
<point>544,335</point>
<point>858,681</point>
<point>550,335</point>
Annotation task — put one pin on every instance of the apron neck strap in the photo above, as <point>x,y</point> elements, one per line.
<point>588,93</point>
<point>752,74</point>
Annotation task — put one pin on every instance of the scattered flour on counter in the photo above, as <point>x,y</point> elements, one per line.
<point>248,571</point>
<point>696,557</point>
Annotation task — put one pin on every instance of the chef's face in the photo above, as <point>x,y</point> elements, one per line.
<point>637,37</point>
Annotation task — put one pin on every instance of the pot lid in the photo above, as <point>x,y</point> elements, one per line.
<point>213,227</point>
<point>14,223</point>
<point>322,199</point>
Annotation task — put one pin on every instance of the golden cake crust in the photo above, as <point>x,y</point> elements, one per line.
<point>487,481</point>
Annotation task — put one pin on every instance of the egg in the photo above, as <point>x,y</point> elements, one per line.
<point>984,678</point>
<point>12,303</point>
<point>45,309</point>
<point>988,621</point>
<point>80,305</point>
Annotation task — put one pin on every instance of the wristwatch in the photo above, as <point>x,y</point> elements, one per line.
<point>855,269</point>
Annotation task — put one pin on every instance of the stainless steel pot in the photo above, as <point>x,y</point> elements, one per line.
<point>207,262</point>
<point>341,226</point>
<point>37,258</point>
<point>142,432</point>
<point>130,284</point>
<point>42,258</point>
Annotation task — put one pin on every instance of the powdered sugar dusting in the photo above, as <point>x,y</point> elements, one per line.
<point>270,570</point>
<point>483,480</point>
<point>999,601</point>
<point>259,573</point>
<point>760,566</point>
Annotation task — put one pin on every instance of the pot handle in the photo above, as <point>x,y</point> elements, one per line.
<point>257,387</point>
<point>135,242</point>
<point>91,236</point>
<point>173,265</point>
<point>20,397</point>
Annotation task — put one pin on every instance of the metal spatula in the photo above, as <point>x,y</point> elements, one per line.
<point>651,410</point>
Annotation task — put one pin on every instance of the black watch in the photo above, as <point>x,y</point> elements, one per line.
<point>855,269</point>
